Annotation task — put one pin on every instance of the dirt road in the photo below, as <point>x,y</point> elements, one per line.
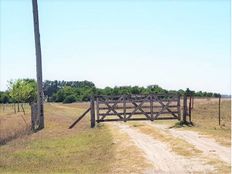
<point>206,145</point>
<point>161,156</point>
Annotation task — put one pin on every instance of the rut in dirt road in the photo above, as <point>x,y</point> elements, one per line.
<point>160,155</point>
<point>206,145</point>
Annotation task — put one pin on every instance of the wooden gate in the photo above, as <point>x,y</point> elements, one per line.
<point>137,107</point>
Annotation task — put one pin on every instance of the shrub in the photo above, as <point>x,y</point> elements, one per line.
<point>69,99</point>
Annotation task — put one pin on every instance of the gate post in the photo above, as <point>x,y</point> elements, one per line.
<point>92,112</point>
<point>179,109</point>
<point>192,102</point>
<point>219,111</point>
<point>151,107</point>
<point>190,109</point>
<point>185,107</point>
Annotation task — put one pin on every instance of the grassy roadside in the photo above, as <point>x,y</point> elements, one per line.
<point>57,149</point>
<point>73,153</point>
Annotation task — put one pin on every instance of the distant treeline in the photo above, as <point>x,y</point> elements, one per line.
<point>72,91</point>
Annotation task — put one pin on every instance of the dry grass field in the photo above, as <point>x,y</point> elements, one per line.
<point>205,118</point>
<point>57,149</point>
<point>108,148</point>
<point>13,125</point>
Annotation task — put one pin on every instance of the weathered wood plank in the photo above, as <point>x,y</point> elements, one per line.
<point>111,108</point>
<point>185,108</point>
<point>97,107</point>
<point>145,113</point>
<point>136,108</point>
<point>132,107</point>
<point>92,113</point>
<point>147,100</point>
<point>125,106</point>
<point>179,109</point>
<point>190,109</point>
<point>79,118</point>
<point>135,113</point>
<point>138,119</point>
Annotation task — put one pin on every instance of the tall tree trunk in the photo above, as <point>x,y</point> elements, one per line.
<point>14,108</point>
<point>22,108</point>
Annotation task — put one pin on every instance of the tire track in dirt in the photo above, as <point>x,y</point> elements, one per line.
<point>161,156</point>
<point>207,145</point>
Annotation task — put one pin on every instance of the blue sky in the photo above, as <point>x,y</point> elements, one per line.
<point>175,44</point>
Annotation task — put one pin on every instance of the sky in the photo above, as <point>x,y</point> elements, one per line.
<point>176,44</point>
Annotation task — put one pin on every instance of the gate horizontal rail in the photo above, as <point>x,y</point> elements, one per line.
<point>131,107</point>
<point>136,119</point>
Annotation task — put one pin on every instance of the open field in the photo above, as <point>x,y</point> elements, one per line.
<point>57,149</point>
<point>205,119</point>
<point>133,147</point>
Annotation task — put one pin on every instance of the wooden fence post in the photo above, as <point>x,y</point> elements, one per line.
<point>97,107</point>
<point>184,108</point>
<point>178,107</point>
<point>219,111</point>
<point>192,102</point>
<point>190,109</point>
<point>92,113</point>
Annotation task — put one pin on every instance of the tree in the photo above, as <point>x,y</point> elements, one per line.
<point>156,89</point>
<point>63,93</point>
<point>69,99</point>
<point>4,97</point>
<point>107,91</point>
<point>59,96</point>
<point>199,94</point>
<point>23,91</point>
<point>49,88</point>
<point>135,90</point>
<point>29,91</point>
